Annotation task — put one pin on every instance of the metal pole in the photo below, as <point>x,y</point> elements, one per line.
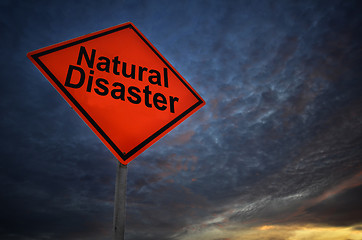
<point>119,217</point>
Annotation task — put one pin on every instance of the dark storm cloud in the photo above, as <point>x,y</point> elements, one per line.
<point>297,100</point>
<point>281,125</point>
<point>340,210</point>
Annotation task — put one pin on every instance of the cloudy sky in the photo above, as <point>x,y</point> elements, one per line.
<point>274,154</point>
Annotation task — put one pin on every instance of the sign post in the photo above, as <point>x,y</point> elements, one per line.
<point>119,215</point>
<point>123,89</point>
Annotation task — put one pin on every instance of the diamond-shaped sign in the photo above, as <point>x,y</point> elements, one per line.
<point>121,86</point>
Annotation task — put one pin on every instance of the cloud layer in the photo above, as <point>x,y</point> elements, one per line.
<point>276,148</point>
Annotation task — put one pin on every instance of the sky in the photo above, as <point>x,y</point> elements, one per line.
<point>274,154</point>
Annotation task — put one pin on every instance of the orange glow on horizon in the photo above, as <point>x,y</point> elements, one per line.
<point>285,232</point>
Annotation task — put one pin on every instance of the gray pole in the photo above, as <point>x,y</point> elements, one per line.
<point>119,217</point>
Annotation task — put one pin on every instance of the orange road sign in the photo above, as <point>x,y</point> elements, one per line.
<point>121,86</point>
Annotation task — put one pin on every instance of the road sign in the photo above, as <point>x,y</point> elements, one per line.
<point>121,86</point>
